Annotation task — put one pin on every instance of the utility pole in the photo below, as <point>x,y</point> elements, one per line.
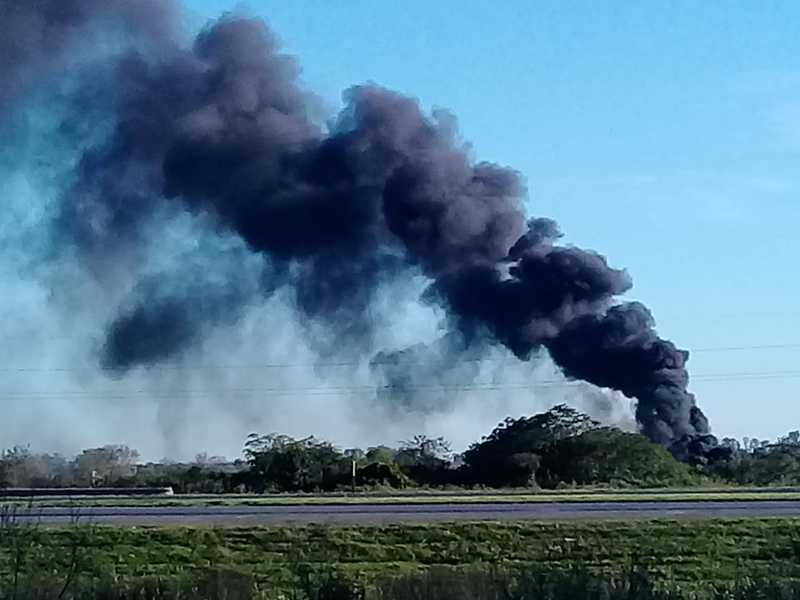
<point>354,476</point>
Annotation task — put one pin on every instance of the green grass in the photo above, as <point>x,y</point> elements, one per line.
<point>471,498</point>
<point>529,583</point>
<point>683,553</point>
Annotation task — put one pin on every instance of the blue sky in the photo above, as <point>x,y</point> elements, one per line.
<point>665,135</point>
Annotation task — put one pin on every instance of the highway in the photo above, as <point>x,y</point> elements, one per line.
<point>388,513</point>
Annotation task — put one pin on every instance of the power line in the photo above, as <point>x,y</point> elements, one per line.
<point>327,364</point>
<point>417,389</point>
<point>742,348</point>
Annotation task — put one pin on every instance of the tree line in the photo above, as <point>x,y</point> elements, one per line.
<point>557,448</point>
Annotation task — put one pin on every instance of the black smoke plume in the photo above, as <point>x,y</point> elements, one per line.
<point>38,35</point>
<point>222,129</point>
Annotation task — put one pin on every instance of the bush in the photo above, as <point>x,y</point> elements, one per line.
<point>611,456</point>
<point>379,474</point>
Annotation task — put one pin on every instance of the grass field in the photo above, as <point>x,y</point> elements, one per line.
<point>681,553</point>
<point>429,498</point>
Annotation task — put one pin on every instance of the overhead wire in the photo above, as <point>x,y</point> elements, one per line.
<point>345,390</point>
<point>350,363</point>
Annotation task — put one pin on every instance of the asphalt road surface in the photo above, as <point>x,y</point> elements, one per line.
<point>376,513</point>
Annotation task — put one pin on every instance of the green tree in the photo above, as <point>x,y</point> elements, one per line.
<point>105,465</point>
<point>772,464</point>
<point>426,460</point>
<point>381,474</point>
<point>22,468</point>
<point>610,456</point>
<point>282,463</point>
<point>512,454</point>
<point>381,454</point>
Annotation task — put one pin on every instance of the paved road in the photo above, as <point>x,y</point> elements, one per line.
<point>376,513</point>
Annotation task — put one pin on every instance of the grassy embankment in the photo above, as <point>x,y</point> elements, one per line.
<point>679,554</point>
<point>687,495</point>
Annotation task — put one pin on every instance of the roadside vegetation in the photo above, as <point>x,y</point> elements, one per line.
<point>427,498</point>
<point>555,450</point>
<point>623,559</point>
<point>440,584</point>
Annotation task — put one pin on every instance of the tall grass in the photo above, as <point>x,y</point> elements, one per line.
<point>81,565</point>
<point>532,583</point>
<point>438,584</point>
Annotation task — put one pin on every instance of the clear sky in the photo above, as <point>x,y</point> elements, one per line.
<point>665,135</point>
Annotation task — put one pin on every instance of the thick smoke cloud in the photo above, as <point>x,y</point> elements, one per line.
<point>528,298</point>
<point>37,35</point>
<point>223,130</point>
<point>620,350</point>
<point>159,322</point>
